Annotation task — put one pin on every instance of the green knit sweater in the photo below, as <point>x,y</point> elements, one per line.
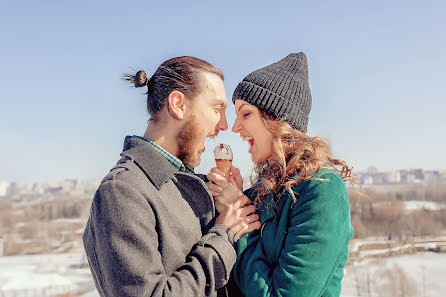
<point>302,248</point>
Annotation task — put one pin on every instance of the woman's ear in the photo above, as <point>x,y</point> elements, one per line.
<point>176,105</point>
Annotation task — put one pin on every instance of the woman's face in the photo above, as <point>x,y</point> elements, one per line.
<point>251,128</point>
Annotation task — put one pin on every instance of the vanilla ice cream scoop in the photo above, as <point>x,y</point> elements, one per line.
<point>223,152</point>
<point>223,158</point>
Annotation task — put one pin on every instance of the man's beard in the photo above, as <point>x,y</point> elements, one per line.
<point>188,142</point>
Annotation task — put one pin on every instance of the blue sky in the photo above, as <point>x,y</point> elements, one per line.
<point>377,75</point>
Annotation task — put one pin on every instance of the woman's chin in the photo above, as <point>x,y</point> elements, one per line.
<point>255,158</point>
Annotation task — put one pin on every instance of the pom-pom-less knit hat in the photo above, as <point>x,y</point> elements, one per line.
<point>281,89</point>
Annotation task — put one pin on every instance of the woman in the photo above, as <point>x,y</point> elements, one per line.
<point>300,195</point>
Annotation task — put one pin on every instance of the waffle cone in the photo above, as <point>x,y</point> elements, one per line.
<point>224,165</point>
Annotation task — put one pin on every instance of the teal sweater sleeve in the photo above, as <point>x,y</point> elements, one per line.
<point>315,245</point>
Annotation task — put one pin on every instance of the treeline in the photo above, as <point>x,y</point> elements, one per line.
<point>434,191</point>
<point>57,225</point>
<point>44,227</point>
<point>385,214</point>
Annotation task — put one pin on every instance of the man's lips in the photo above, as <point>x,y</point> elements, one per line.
<point>212,136</point>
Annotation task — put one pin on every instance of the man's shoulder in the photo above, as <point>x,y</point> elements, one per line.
<point>126,173</point>
<point>124,190</point>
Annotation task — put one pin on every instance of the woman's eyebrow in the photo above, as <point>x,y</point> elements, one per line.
<point>241,105</point>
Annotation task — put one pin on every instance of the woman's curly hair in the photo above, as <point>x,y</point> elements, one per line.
<point>296,157</point>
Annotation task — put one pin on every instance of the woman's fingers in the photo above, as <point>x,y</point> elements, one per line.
<point>248,210</point>
<point>248,228</point>
<point>236,177</point>
<point>214,189</point>
<point>218,171</point>
<point>252,218</point>
<point>242,200</point>
<point>216,178</point>
<point>240,216</point>
<point>247,220</point>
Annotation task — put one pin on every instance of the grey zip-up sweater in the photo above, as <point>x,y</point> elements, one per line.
<point>151,230</point>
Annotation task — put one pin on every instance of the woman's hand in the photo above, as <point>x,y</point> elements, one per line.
<point>224,192</point>
<point>236,178</point>
<point>240,217</point>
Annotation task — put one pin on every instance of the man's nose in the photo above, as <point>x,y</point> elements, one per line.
<point>222,124</point>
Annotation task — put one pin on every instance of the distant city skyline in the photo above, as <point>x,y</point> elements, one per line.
<point>439,173</point>
<point>377,76</point>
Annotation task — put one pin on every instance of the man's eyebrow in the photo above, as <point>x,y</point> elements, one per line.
<point>219,101</point>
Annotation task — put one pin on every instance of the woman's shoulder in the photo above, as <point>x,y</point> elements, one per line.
<point>326,182</point>
<point>324,176</point>
<point>327,174</point>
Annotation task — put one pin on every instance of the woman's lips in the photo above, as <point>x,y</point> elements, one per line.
<point>250,141</point>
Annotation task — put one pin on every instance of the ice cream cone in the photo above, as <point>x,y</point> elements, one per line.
<point>225,166</point>
<point>223,159</point>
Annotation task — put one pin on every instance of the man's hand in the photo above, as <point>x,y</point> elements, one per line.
<point>240,217</point>
<point>224,192</point>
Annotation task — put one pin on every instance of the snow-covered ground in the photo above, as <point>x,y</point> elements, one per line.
<point>355,244</point>
<point>45,275</point>
<point>55,274</point>
<point>427,205</point>
<point>421,274</point>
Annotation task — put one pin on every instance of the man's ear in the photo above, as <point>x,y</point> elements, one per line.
<point>176,105</point>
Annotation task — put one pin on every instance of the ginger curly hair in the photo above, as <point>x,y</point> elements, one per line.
<point>296,157</point>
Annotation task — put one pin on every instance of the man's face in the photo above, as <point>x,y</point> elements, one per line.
<point>205,118</point>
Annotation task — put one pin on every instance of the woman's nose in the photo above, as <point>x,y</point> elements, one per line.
<point>236,126</point>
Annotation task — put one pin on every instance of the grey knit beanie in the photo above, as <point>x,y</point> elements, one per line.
<point>281,89</point>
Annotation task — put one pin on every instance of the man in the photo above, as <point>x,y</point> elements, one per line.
<point>152,229</point>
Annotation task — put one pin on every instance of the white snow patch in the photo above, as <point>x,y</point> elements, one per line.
<point>424,266</point>
<point>44,275</point>
<point>427,205</point>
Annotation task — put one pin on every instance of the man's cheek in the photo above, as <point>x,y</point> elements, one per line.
<point>216,119</point>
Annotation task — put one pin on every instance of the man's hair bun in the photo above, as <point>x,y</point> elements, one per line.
<point>139,79</point>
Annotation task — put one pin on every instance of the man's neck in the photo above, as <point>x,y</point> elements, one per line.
<point>163,136</point>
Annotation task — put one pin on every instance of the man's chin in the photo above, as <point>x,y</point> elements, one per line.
<point>193,162</point>
<point>197,159</point>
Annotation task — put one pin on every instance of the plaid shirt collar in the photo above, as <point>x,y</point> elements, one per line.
<point>169,157</point>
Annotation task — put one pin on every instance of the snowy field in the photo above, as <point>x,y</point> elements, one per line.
<point>45,275</point>
<point>421,274</point>
<point>427,205</point>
